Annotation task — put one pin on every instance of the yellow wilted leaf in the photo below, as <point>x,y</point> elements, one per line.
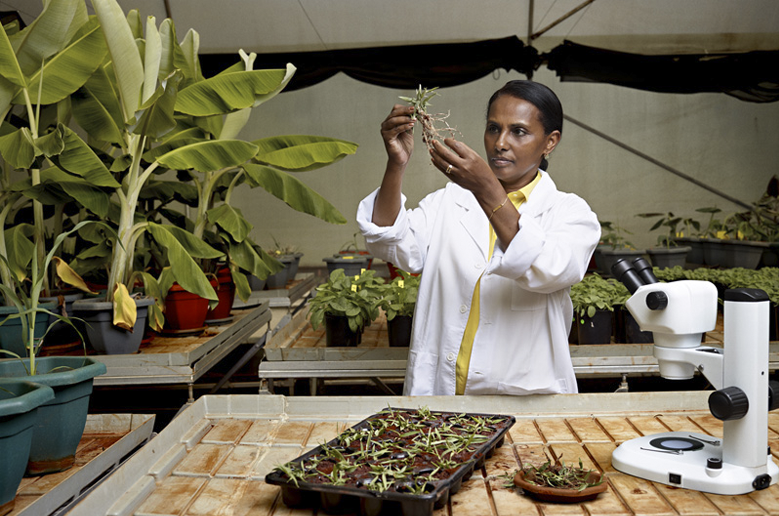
<point>125,311</point>
<point>156,318</point>
<point>69,276</point>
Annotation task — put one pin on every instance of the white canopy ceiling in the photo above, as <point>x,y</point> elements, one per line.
<point>643,26</point>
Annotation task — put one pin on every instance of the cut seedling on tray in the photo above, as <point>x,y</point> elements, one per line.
<point>434,126</point>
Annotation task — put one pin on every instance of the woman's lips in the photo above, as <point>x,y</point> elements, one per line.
<point>501,162</point>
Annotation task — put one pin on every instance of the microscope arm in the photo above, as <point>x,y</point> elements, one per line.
<point>707,360</point>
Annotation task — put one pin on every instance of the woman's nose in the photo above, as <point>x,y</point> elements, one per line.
<point>500,141</point>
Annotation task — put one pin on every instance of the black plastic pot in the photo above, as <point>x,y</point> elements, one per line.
<point>596,329</point>
<point>338,333</point>
<point>399,331</point>
<point>626,329</point>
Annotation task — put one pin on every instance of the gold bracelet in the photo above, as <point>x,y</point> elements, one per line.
<point>499,206</point>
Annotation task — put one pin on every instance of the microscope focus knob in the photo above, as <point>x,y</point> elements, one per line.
<point>656,300</point>
<point>773,395</point>
<point>728,404</point>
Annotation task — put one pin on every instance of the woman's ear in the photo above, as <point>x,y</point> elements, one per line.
<point>551,141</point>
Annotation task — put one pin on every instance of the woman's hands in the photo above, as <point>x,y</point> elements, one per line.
<point>464,166</point>
<point>396,130</point>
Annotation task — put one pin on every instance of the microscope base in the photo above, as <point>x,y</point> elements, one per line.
<point>679,459</point>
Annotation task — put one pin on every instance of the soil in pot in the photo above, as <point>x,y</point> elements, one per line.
<point>596,329</point>
<point>531,486</point>
<point>399,331</point>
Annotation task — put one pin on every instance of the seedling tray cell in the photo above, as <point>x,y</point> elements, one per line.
<point>396,462</point>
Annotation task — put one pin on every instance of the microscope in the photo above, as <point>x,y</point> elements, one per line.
<point>678,313</point>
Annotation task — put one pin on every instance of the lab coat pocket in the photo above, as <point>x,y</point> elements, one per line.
<point>522,299</point>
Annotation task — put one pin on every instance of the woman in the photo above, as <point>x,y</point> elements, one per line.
<point>499,248</point>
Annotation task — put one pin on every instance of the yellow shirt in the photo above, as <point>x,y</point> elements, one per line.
<point>517,197</point>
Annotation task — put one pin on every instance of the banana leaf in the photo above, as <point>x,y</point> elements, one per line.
<point>79,159</point>
<point>17,148</point>
<point>209,156</point>
<point>301,153</point>
<point>230,220</point>
<point>97,109</point>
<point>293,192</point>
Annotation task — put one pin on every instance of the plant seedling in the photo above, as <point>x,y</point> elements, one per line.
<point>560,475</point>
<point>429,122</point>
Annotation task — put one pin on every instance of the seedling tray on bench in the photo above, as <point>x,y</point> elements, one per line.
<point>396,462</point>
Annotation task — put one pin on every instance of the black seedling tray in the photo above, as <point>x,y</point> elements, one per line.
<point>417,483</point>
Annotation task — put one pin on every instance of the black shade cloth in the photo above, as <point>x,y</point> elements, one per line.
<point>751,76</point>
<point>402,67</point>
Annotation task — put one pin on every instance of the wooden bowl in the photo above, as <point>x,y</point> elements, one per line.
<point>559,494</point>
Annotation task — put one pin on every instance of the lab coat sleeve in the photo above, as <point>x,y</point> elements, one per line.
<point>405,242</point>
<point>550,252</point>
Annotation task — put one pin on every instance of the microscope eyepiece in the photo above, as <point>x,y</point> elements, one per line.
<point>644,269</point>
<point>623,270</point>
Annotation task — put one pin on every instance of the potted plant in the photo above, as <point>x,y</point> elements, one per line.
<point>613,247</point>
<point>345,304</point>
<point>668,253</point>
<point>19,402</point>
<point>745,244</point>
<point>398,300</point>
<point>711,238</point>
<point>593,305</point>
<point>555,481</point>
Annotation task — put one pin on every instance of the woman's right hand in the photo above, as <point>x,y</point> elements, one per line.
<point>396,130</point>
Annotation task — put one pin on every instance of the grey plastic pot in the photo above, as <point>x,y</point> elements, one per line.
<point>611,256</point>
<point>280,279</point>
<point>666,257</point>
<point>11,338</point>
<point>351,264</point>
<point>19,402</point>
<point>102,335</point>
<point>60,422</point>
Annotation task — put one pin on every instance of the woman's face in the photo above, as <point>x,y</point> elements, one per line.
<point>515,142</point>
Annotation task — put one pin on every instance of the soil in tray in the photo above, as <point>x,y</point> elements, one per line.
<point>397,462</point>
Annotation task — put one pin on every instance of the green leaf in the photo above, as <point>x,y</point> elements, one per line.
<point>17,148</point>
<point>209,156</point>
<point>79,159</point>
<point>184,269</point>
<point>97,109</point>
<point>293,192</point>
<point>50,144</point>
<point>194,246</point>
<point>230,92</point>
<point>94,199</point>
<point>186,56</point>
<point>152,58</point>
<point>9,66</point>
<point>247,258</point>
<point>168,44</point>
<point>156,114</point>
<point>231,220</point>
<point>68,70</point>
<point>300,153</point>
<point>20,249</point>
<point>127,63</point>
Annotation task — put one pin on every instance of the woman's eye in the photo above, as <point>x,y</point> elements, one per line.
<point>492,129</point>
<point>519,131</point>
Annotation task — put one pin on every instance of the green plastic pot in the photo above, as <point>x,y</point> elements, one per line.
<point>11,338</point>
<point>19,402</point>
<point>61,421</point>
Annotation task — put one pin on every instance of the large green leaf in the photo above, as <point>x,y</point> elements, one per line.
<point>194,246</point>
<point>170,145</point>
<point>231,220</point>
<point>226,93</point>
<point>127,63</point>
<point>155,118</point>
<point>68,70</point>
<point>79,159</point>
<point>244,255</point>
<point>185,56</point>
<point>9,66</point>
<point>50,144</point>
<point>94,199</point>
<point>209,156</point>
<point>97,109</point>
<point>17,148</point>
<point>49,33</point>
<point>299,153</point>
<point>20,249</point>
<point>168,45</point>
<point>151,60</point>
<point>187,273</point>
<point>293,192</point>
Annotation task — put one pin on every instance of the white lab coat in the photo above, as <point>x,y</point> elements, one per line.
<point>521,346</point>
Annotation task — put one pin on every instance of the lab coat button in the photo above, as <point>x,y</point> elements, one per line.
<point>450,357</point>
<point>479,265</point>
<point>463,309</point>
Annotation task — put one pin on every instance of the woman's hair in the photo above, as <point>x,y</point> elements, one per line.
<point>544,99</point>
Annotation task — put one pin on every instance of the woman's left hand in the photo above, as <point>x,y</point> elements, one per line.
<point>464,166</point>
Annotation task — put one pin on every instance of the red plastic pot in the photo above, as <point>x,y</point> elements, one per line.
<point>226,294</point>
<point>185,310</point>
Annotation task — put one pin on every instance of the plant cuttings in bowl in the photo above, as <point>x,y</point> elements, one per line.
<point>559,475</point>
<point>434,126</point>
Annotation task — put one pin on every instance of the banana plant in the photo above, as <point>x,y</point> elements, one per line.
<point>40,67</point>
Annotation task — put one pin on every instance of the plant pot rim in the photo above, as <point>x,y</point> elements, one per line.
<point>33,395</point>
<point>97,305</point>
<point>359,258</point>
<point>559,494</point>
<point>623,251</point>
<point>8,310</point>
<point>79,369</point>
<point>669,250</point>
